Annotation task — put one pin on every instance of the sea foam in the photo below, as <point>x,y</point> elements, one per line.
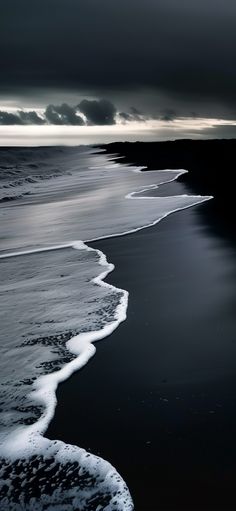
<point>89,481</point>
<point>57,305</point>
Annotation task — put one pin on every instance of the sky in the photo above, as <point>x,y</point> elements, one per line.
<point>140,65</point>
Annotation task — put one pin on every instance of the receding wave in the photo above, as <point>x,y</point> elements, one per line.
<point>54,345</point>
<point>57,304</point>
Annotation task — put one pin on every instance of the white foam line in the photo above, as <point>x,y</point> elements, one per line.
<point>200,199</point>
<point>132,195</point>
<point>138,170</point>
<point>155,222</point>
<point>81,345</point>
<point>29,440</point>
<point>35,250</point>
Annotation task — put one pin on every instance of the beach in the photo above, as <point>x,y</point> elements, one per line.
<point>117,255</point>
<point>158,399</point>
<point>95,248</point>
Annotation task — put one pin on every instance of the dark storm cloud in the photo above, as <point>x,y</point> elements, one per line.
<point>98,112</point>
<point>30,118</point>
<point>125,117</point>
<point>133,115</point>
<point>52,116</point>
<point>185,49</point>
<point>7,119</point>
<point>63,114</point>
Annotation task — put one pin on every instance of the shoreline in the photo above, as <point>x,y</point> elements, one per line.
<point>197,231</point>
<point>82,382</point>
<point>29,438</point>
<point>82,345</point>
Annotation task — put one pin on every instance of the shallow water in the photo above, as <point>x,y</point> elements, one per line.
<point>54,305</point>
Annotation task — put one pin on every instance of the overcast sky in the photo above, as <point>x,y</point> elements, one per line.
<point>154,58</point>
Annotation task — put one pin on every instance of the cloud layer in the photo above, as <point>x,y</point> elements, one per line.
<point>182,50</point>
<point>94,112</point>
<point>100,112</point>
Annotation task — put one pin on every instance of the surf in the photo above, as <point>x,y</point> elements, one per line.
<point>63,338</point>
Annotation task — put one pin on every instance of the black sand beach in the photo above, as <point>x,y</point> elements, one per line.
<point>158,399</point>
<point>211,168</point>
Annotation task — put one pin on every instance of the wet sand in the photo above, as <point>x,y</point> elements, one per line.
<point>158,400</point>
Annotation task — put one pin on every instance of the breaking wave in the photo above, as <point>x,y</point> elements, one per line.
<point>22,169</point>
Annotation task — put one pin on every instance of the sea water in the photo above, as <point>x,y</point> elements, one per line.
<point>55,304</point>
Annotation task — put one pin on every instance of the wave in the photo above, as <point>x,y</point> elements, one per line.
<point>16,189</point>
<point>21,170</point>
<point>28,452</point>
<point>37,473</point>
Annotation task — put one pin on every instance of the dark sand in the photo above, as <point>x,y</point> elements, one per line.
<point>212,169</point>
<point>158,400</point>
